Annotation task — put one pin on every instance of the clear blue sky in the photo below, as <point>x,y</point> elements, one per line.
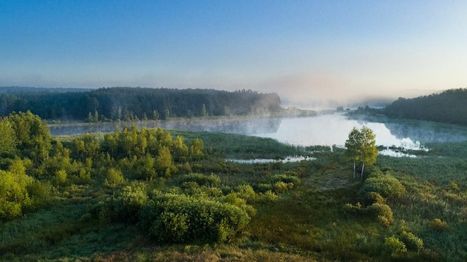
<point>300,49</point>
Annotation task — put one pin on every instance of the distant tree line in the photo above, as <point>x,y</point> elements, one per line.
<point>449,107</point>
<point>138,103</point>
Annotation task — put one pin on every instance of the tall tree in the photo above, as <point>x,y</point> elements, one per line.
<point>352,144</point>
<point>7,137</point>
<point>361,147</point>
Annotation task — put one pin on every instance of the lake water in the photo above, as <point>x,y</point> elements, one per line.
<point>266,160</point>
<point>327,129</point>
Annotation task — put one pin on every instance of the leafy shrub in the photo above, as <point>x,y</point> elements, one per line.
<point>84,176</point>
<point>180,218</point>
<point>264,187</point>
<point>373,197</point>
<point>280,187</point>
<point>202,180</point>
<point>61,177</point>
<point>13,194</point>
<point>438,224</point>
<point>236,200</point>
<point>385,185</point>
<point>192,188</point>
<point>126,204</point>
<point>411,241</point>
<point>382,212</point>
<point>267,196</point>
<point>113,177</point>
<point>394,246</point>
<point>246,192</point>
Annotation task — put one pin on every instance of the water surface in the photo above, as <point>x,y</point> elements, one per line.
<point>327,129</point>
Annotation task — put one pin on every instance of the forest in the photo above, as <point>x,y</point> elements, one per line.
<point>153,194</point>
<point>120,103</point>
<point>448,107</point>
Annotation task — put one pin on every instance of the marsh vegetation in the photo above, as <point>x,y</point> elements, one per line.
<point>138,194</point>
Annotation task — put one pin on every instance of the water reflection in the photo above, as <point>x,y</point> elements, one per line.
<point>329,129</point>
<point>239,125</point>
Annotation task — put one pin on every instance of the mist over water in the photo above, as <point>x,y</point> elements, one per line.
<point>327,129</point>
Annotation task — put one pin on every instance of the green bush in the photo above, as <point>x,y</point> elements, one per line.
<point>280,187</point>
<point>61,177</point>
<point>394,246</point>
<point>246,192</point>
<point>125,205</point>
<point>13,194</point>
<point>193,188</point>
<point>373,197</point>
<point>202,180</point>
<point>264,187</point>
<point>438,224</point>
<point>411,241</point>
<point>382,212</point>
<point>267,196</point>
<point>385,185</point>
<point>180,218</point>
<point>237,200</point>
<point>113,177</point>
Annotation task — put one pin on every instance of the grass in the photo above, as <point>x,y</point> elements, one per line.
<point>306,223</point>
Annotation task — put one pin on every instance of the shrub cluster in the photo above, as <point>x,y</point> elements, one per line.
<point>279,183</point>
<point>394,246</point>
<point>180,218</point>
<point>386,185</point>
<point>202,180</point>
<point>177,217</point>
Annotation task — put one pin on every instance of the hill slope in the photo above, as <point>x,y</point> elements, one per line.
<point>449,107</point>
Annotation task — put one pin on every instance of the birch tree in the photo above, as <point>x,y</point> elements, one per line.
<point>361,148</point>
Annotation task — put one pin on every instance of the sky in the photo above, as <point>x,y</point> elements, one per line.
<point>306,51</point>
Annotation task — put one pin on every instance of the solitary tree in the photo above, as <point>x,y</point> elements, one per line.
<point>361,147</point>
<point>352,144</point>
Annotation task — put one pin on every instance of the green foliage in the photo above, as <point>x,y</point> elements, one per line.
<point>113,177</point>
<point>201,179</point>
<point>40,193</point>
<point>138,103</point>
<point>246,192</point>
<point>382,212</point>
<point>179,218</point>
<point>386,185</point>
<point>13,194</point>
<point>126,204</point>
<point>361,147</point>
<point>438,225</point>
<point>394,246</point>
<point>61,177</point>
<point>411,241</point>
<point>448,107</point>
<point>164,162</point>
<point>197,148</point>
<point>7,137</point>
<point>32,135</point>
<point>374,197</point>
